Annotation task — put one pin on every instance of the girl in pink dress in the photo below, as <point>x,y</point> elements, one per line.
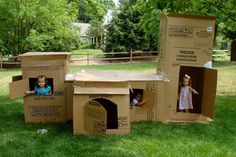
<point>185,96</point>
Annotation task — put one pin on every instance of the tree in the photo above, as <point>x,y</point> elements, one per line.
<point>224,11</point>
<point>123,33</point>
<point>93,9</point>
<point>38,25</point>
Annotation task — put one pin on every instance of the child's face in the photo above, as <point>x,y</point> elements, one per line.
<point>186,82</point>
<point>41,82</point>
<point>139,97</point>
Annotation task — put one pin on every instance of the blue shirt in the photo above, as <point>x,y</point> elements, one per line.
<point>44,91</point>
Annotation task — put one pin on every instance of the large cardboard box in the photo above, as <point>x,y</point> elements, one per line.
<point>54,65</point>
<point>146,85</point>
<point>101,103</point>
<point>185,47</point>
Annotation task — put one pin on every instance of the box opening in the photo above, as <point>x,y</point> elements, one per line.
<point>112,115</point>
<point>33,83</point>
<point>133,93</point>
<point>196,82</point>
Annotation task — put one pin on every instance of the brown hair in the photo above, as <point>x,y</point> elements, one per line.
<point>45,78</point>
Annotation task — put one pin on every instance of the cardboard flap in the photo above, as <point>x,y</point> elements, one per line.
<point>209,92</point>
<point>94,90</point>
<point>149,97</point>
<point>95,118</point>
<point>18,88</point>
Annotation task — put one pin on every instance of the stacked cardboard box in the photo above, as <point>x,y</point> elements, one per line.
<point>49,108</point>
<point>186,44</point>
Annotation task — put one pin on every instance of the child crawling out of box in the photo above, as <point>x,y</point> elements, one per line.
<point>42,87</point>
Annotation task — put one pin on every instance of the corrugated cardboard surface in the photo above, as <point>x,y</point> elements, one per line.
<point>44,109</point>
<point>184,41</point>
<point>138,114</point>
<point>95,118</point>
<point>69,99</point>
<point>148,110</point>
<point>18,88</point>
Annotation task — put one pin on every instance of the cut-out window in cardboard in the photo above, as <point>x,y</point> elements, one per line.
<point>112,114</point>
<point>133,93</point>
<point>186,97</point>
<point>33,83</point>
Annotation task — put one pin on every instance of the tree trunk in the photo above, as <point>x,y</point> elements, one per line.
<point>233,50</point>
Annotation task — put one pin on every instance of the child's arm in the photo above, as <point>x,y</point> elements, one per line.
<point>142,102</point>
<point>193,90</point>
<point>29,92</point>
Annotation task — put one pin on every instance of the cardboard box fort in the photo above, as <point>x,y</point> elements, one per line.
<point>146,85</point>
<point>186,44</point>
<point>54,65</point>
<point>101,103</point>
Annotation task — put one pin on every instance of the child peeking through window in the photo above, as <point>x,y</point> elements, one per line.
<point>138,100</point>
<point>42,87</point>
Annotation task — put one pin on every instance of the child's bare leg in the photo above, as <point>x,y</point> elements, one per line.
<point>186,110</point>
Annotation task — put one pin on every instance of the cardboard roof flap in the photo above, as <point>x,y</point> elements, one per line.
<point>94,90</point>
<point>188,16</point>
<point>37,56</point>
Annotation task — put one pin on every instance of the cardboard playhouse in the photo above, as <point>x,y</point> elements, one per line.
<point>186,44</point>
<point>49,108</point>
<point>101,103</point>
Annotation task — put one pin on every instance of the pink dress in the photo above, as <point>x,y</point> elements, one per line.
<point>185,98</point>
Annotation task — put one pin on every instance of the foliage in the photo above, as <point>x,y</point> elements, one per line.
<point>93,9</point>
<point>123,33</point>
<point>224,11</point>
<point>38,25</point>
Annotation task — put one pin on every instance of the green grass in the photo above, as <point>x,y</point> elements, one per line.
<point>146,138</point>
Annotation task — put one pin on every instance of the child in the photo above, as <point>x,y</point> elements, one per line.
<point>185,96</point>
<point>42,88</point>
<point>138,101</point>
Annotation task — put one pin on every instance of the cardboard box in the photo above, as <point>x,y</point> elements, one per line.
<point>69,87</point>
<point>186,44</point>
<point>101,103</point>
<point>54,65</point>
<point>146,85</point>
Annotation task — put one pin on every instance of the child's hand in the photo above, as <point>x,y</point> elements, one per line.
<point>195,92</point>
<point>29,92</point>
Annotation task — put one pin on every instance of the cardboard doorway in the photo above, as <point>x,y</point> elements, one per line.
<point>112,114</point>
<point>197,80</point>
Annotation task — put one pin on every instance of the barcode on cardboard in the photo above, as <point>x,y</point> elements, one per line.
<point>99,127</point>
<point>45,111</point>
<point>180,31</point>
<point>122,122</point>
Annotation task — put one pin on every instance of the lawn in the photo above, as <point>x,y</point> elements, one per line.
<point>146,138</point>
